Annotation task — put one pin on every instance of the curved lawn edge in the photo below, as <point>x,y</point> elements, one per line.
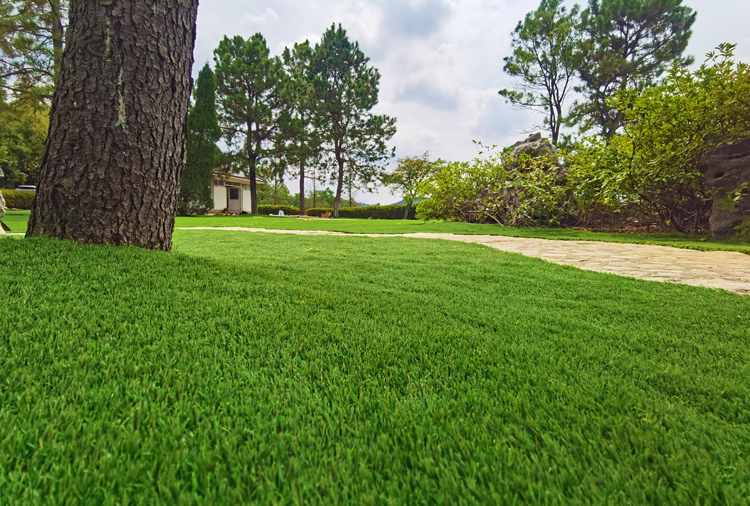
<point>17,220</point>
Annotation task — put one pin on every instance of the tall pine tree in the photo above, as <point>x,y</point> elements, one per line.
<point>116,146</point>
<point>202,152</point>
<point>346,91</point>
<point>544,60</point>
<point>300,141</point>
<point>249,82</point>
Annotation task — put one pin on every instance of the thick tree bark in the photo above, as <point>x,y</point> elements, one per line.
<point>116,145</point>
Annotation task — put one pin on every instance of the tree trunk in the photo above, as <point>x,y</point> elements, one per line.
<point>349,185</point>
<point>339,188</point>
<point>58,36</point>
<point>406,211</point>
<point>116,145</point>
<point>302,209</point>
<point>253,189</point>
<point>252,170</point>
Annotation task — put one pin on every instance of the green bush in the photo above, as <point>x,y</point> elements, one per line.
<point>18,200</point>
<point>394,212</point>
<point>288,210</point>
<point>317,211</point>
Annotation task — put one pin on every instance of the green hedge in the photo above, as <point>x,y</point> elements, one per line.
<point>394,212</point>
<point>18,200</point>
<point>317,211</point>
<point>267,209</point>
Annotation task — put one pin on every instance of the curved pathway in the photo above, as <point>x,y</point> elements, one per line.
<point>715,269</point>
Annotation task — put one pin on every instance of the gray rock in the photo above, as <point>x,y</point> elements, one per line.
<point>534,146</point>
<point>727,173</point>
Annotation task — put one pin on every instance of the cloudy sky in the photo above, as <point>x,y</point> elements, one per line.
<point>440,60</point>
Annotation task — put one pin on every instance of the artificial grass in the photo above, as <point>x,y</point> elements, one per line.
<point>17,221</point>
<point>265,368</point>
<point>355,226</point>
<point>414,226</point>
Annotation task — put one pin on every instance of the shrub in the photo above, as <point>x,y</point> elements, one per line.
<point>268,209</point>
<point>18,200</point>
<point>485,190</point>
<point>668,129</point>
<point>317,211</point>
<point>394,212</point>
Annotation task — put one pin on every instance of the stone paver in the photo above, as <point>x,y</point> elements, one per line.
<point>715,269</point>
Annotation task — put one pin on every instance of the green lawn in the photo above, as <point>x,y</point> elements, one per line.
<point>412,226</point>
<point>17,221</point>
<point>284,369</point>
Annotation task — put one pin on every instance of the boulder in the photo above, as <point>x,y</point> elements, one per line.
<point>534,146</point>
<point>727,173</point>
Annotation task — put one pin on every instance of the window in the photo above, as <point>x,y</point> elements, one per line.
<point>218,182</point>
<point>234,194</point>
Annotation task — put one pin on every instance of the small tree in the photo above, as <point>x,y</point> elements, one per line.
<point>545,60</point>
<point>202,152</point>
<point>346,91</point>
<point>407,177</point>
<point>23,130</point>
<point>250,84</point>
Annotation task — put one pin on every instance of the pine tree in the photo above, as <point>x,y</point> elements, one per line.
<point>346,91</point>
<point>301,144</point>
<point>32,37</point>
<point>249,82</point>
<point>626,45</point>
<point>544,59</point>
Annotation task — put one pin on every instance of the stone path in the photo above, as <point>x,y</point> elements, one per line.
<point>716,269</point>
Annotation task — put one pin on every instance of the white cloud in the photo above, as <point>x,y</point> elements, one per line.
<point>266,18</point>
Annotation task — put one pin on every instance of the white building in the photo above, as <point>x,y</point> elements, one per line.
<point>231,193</point>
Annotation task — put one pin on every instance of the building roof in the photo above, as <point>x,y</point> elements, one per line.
<point>238,178</point>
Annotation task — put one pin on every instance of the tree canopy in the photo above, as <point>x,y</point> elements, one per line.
<point>626,44</point>
<point>32,37</point>
<point>544,59</point>
<point>667,130</point>
<point>408,175</point>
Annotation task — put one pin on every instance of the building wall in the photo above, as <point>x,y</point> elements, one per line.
<point>246,201</point>
<point>219,196</point>
<point>219,192</point>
